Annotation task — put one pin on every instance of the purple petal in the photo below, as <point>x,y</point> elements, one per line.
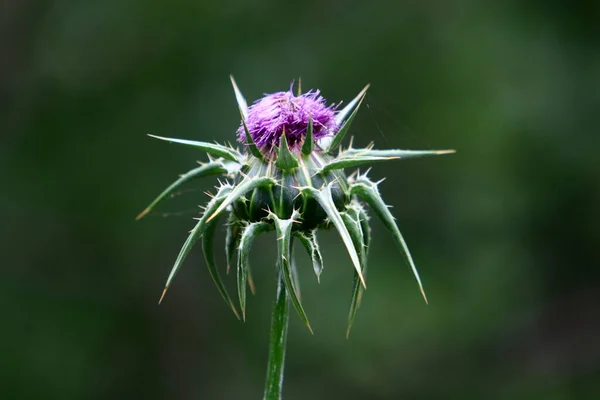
<point>277,112</point>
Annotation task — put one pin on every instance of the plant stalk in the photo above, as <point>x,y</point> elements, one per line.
<point>277,343</point>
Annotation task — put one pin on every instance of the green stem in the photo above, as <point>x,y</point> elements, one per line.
<point>279,326</point>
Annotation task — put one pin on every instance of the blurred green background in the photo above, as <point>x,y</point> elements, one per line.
<point>505,232</point>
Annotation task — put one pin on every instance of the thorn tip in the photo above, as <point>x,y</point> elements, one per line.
<point>142,214</point>
<point>252,287</point>
<point>309,328</point>
<point>235,312</point>
<point>163,295</point>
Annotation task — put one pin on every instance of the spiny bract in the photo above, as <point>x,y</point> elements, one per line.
<point>289,180</point>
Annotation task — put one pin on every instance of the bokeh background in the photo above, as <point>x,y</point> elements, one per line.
<point>505,232</point>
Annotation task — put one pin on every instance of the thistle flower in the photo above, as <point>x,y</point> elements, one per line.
<point>289,179</point>
<point>282,112</point>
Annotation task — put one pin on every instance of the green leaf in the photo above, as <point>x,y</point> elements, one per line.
<point>208,249</point>
<point>243,107</point>
<point>211,168</point>
<point>350,162</point>
<point>356,157</point>
<point>246,185</point>
<point>252,147</point>
<point>309,241</point>
<point>341,115</point>
<point>285,159</point>
<point>211,148</point>
<point>283,228</point>
<point>325,200</point>
<point>241,101</point>
<point>393,153</point>
<point>195,235</point>
<point>295,274</point>
<point>309,143</point>
<point>366,230</point>
<point>337,139</point>
<point>232,239</point>
<point>367,190</point>
<point>248,235</point>
<point>352,221</point>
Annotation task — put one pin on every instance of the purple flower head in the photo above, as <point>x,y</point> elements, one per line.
<point>275,113</point>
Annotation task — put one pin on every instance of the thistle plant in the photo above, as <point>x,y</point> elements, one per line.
<point>289,178</point>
